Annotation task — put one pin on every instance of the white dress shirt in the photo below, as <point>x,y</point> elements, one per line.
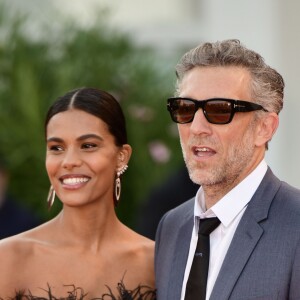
<point>229,210</point>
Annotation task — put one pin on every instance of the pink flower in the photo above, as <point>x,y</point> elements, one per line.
<point>159,152</point>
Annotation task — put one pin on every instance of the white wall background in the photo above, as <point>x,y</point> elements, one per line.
<point>270,27</point>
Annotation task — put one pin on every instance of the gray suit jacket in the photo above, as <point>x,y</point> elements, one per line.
<point>263,260</point>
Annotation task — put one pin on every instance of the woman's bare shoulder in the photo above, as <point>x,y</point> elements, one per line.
<point>141,247</point>
<point>14,253</point>
<point>17,254</point>
<point>147,245</point>
<point>21,245</point>
<point>141,258</point>
<point>139,241</point>
<point>15,247</point>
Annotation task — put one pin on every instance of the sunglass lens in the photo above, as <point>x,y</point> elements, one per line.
<point>183,110</point>
<point>218,111</point>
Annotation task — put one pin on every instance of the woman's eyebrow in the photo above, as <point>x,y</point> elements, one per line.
<point>88,136</point>
<point>81,138</point>
<point>54,139</point>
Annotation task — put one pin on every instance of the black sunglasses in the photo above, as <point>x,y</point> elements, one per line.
<point>215,110</point>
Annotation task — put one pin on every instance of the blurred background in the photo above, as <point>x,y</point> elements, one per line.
<point>128,48</point>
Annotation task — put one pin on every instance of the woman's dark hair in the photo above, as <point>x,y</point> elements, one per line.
<point>95,102</point>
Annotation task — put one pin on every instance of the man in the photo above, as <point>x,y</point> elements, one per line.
<point>226,106</point>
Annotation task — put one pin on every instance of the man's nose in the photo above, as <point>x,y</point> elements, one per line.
<point>200,125</point>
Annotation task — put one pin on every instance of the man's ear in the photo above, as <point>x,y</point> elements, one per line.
<point>266,128</point>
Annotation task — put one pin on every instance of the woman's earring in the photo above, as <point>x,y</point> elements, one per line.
<point>118,183</point>
<point>51,197</point>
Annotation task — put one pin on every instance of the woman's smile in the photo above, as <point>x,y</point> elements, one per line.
<point>74,181</point>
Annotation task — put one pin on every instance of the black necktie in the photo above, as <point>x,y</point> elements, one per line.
<point>196,284</point>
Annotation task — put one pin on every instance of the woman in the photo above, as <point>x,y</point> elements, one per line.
<point>85,251</point>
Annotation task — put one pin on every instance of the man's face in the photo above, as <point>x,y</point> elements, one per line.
<point>219,154</point>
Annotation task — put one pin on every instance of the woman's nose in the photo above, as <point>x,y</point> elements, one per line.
<point>71,159</point>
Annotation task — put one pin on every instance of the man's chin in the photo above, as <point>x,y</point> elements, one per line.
<point>202,179</point>
<point>197,178</point>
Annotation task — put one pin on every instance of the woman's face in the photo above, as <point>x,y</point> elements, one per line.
<point>82,158</point>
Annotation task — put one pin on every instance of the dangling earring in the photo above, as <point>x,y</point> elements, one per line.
<point>118,183</point>
<point>51,197</point>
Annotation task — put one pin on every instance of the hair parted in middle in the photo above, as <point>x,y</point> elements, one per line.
<point>95,102</point>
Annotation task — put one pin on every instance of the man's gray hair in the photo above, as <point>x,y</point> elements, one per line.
<point>267,85</point>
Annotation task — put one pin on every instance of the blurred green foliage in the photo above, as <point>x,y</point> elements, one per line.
<point>38,66</point>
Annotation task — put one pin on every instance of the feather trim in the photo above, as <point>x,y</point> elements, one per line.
<point>141,292</point>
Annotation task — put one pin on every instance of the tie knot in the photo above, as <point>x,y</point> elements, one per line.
<point>208,225</point>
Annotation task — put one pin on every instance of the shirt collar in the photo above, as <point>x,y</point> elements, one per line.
<point>228,207</point>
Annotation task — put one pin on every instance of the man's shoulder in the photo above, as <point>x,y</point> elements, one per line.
<point>273,190</point>
<point>170,226</point>
<point>178,216</point>
<point>288,200</point>
<point>183,209</point>
<point>290,190</point>
<point>277,202</point>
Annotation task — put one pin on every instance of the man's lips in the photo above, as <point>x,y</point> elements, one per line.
<point>203,151</point>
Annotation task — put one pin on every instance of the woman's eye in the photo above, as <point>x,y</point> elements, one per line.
<point>55,148</point>
<point>89,146</point>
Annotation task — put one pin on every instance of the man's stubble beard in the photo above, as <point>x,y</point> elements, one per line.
<point>228,170</point>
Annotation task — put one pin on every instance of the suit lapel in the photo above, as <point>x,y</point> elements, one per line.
<point>242,245</point>
<point>180,258</point>
<point>246,237</point>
